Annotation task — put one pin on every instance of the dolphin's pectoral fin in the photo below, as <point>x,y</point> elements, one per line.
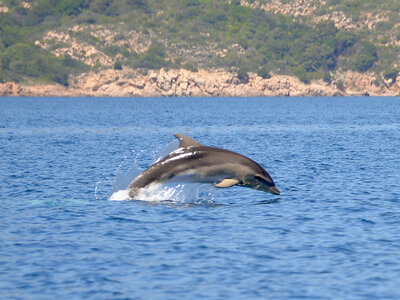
<point>185,141</point>
<point>225,183</point>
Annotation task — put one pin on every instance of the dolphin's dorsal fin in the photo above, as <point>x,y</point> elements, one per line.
<point>185,141</point>
<point>227,182</point>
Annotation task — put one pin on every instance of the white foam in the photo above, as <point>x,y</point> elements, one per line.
<point>120,195</point>
<point>180,193</point>
<point>158,192</point>
<point>152,193</point>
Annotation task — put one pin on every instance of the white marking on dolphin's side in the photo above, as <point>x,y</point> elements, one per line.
<point>180,156</point>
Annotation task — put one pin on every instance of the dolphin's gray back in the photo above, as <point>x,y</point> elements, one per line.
<point>207,163</point>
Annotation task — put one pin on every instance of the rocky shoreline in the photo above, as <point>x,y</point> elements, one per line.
<point>184,83</point>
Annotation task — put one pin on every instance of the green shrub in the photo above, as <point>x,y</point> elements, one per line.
<point>100,6</point>
<point>340,85</point>
<point>24,60</point>
<point>71,7</point>
<point>117,65</point>
<point>327,77</point>
<point>153,58</point>
<point>190,66</point>
<point>243,75</point>
<point>344,40</point>
<point>264,72</point>
<point>139,4</point>
<point>301,73</point>
<point>391,74</point>
<point>112,50</point>
<point>366,57</point>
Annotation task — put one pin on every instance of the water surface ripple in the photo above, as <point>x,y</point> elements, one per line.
<point>333,233</point>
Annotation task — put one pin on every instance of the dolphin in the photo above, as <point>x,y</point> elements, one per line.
<point>195,162</point>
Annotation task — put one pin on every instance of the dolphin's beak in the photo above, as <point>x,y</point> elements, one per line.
<point>274,190</point>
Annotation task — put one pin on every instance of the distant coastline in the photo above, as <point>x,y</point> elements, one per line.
<point>219,83</point>
<point>199,48</point>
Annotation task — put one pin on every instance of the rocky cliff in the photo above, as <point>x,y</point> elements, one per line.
<point>314,9</point>
<point>182,83</point>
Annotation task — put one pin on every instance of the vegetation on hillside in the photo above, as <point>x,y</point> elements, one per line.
<point>193,34</point>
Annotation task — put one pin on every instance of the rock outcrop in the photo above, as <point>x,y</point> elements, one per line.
<point>76,43</point>
<point>368,20</point>
<point>3,9</point>
<point>11,89</point>
<point>184,83</point>
<point>68,45</point>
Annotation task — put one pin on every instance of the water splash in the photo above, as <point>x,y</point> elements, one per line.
<point>120,195</point>
<point>175,193</point>
<point>120,180</point>
<point>164,151</point>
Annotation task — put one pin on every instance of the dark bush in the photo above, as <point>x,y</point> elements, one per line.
<point>71,7</point>
<point>366,57</point>
<point>117,65</point>
<point>242,75</point>
<point>327,77</point>
<point>391,74</point>
<point>264,72</point>
<point>153,58</point>
<point>190,66</point>
<point>301,73</point>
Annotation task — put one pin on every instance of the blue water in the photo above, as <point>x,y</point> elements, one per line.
<point>333,233</point>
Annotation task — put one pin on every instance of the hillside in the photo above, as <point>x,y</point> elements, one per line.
<point>59,41</point>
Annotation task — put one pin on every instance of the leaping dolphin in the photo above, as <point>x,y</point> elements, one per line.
<point>197,163</point>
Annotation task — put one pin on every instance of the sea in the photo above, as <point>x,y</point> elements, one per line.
<point>68,232</point>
